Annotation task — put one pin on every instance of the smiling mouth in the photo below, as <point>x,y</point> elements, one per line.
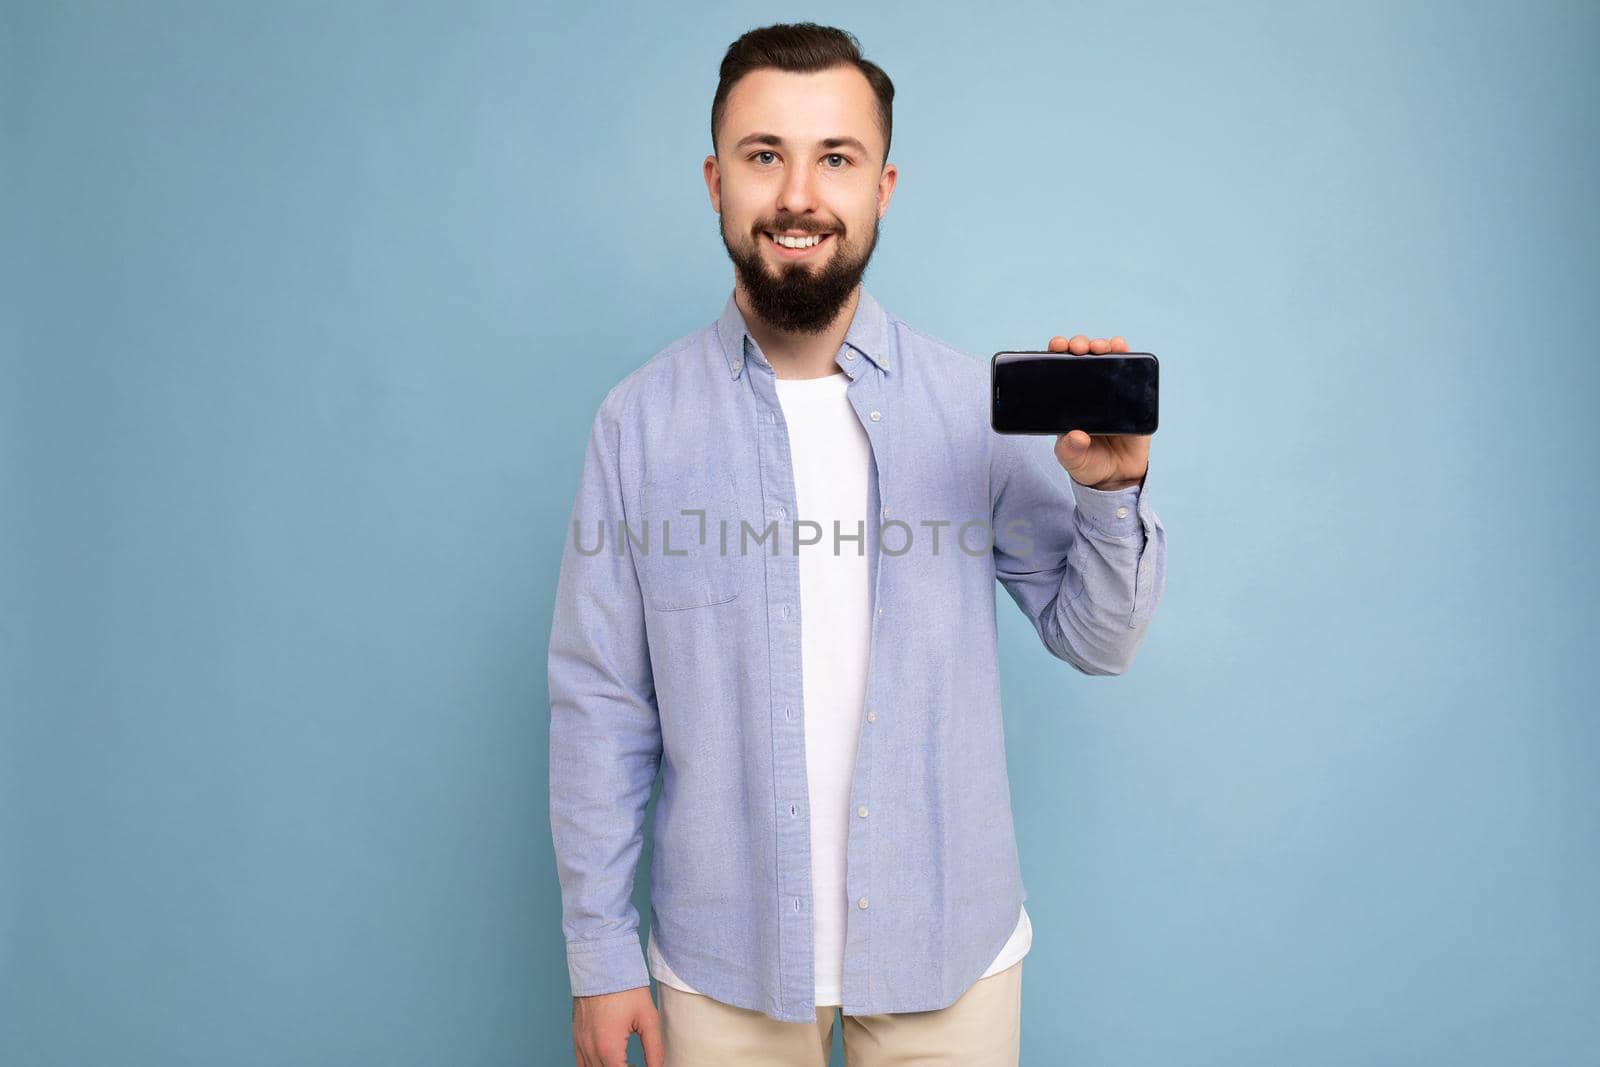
<point>799,244</point>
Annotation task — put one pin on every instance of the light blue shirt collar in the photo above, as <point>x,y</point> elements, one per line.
<point>868,334</point>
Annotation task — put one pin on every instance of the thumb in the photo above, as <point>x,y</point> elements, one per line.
<point>1072,446</point>
<point>649,1028</point>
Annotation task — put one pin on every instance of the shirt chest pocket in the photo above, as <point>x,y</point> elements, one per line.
<point>679,553</point>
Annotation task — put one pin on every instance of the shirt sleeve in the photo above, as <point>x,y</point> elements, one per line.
<point>605,731</point>
<point>1087,566</point>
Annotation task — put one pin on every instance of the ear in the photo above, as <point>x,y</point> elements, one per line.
<point>886,183</point>
<point>713,176</point>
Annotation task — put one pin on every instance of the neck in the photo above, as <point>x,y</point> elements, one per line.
<point>799,355</point>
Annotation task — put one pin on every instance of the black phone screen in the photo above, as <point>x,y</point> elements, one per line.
<point>1053,392</point>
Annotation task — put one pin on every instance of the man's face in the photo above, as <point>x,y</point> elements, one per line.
<point>800,156</point>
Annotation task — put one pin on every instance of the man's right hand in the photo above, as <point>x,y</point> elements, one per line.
<point>601,1025</point>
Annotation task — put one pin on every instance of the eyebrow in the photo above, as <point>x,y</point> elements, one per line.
<point>827,142</point>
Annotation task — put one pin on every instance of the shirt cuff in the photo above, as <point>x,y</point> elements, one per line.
<point>606,966</point>
<point>1114,512</point>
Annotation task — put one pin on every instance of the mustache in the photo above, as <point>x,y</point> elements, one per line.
<point>784,226</point>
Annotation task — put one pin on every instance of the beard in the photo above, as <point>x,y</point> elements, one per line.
<point>801,297</point>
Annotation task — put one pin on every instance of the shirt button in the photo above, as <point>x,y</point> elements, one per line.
<point>872,716</point>
<point>875,416</point>
<point>883,512</point>
<point>772,416</point>
<point>849,355</point>
<point>880,613</point>
<point>862,903</point>
<point>1122,513</point>
<point>734,366</point>
<point>782,510</point>
<point>862,811</point>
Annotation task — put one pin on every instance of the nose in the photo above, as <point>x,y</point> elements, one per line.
<point>798,194</point>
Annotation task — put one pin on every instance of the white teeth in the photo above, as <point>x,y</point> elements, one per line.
<point>796,242</point>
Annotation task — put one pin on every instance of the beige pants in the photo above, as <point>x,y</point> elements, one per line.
<point>981,1029</point>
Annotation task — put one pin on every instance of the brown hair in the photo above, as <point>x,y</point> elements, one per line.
<point>800,48</point>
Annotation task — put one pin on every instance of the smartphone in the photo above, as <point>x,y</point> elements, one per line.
<point>1053,392</point>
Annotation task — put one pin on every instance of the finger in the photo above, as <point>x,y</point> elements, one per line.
<point>1057,344</point>
<point>1119,344</point>
<point>1079,345</point>
<point>1099,346</point>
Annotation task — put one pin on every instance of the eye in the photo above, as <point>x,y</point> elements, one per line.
<point>758,155</point>
<point>842,160</point>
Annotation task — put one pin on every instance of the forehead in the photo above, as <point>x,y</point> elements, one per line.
<point>803,108</point>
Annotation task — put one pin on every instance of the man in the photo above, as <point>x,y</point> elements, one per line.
<point>834,829</point>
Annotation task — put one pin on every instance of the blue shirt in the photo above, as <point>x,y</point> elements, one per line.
<point>681,654</point>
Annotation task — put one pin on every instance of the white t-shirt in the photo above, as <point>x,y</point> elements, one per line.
<point>832,463</point>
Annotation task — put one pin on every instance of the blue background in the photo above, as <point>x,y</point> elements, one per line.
<point>307,310</point>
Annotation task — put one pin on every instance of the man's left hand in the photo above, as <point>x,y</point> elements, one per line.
<point>1107,462</point>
